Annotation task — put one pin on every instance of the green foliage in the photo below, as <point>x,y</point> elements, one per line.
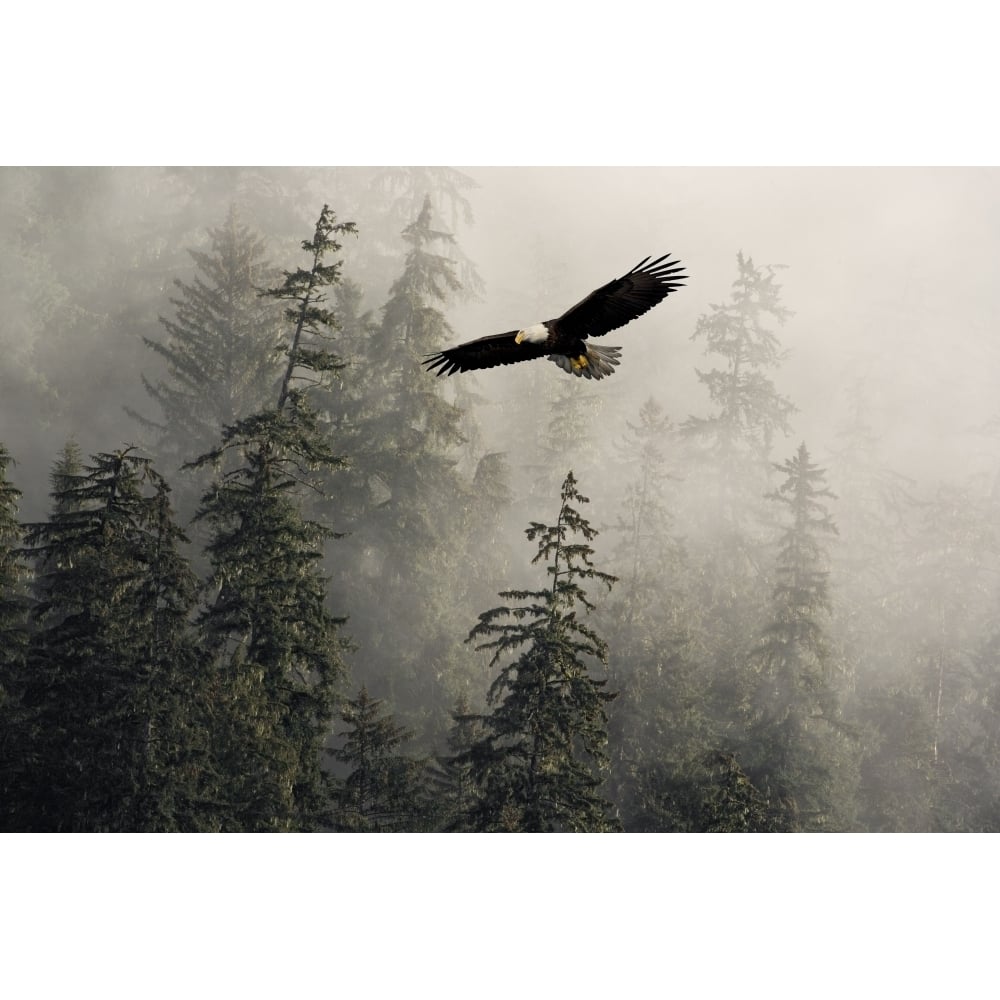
<point>221,351</point>
<point>277,650</point>
<point>542,758</point>
<point>382,792</point>
<point>113,739</point>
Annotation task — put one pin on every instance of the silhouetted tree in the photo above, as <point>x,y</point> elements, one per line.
<point>542,758</point>
<point>114,737</point>
<point>276,647</point>
<point>222,347</point>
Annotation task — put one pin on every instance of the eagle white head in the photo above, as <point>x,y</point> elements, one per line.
<point>538,333</point>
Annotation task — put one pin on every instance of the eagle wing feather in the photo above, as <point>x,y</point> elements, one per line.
<point>486,352</point>
<point>620,301</point>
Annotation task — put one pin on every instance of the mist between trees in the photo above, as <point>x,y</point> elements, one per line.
<point>261,572</point>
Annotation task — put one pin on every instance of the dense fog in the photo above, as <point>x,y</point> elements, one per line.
<point>889,276</point>
<point>883,717</point>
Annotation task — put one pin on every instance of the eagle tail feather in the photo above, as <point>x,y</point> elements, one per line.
<point>600,361</point>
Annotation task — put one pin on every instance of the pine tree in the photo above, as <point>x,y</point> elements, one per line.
<point>749,409</point>
<point>727,474</point>
<point>382,792</point>
<point>222,346</point>
<point>277,649</point>
<point>542,759</point>
<point>114,739</point>
<point>798,751</point>
<point>392,197</point>
<point>730,461</point>
<point>409,500</point>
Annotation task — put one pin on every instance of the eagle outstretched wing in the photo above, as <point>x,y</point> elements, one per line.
<point>624,299</point>
<point>487,352</point>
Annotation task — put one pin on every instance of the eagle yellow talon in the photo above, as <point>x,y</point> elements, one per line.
<point>580,362</point>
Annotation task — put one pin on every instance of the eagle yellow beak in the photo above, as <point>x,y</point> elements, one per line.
<point>519,337</point>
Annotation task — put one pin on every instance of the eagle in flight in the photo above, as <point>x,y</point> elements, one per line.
<point>564,340</point>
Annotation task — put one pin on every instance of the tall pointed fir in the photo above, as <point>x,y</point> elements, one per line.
<point>276,648</point>
<point>798,752</point>
<point>542,759</point>
<point>117,740</point>
<point>391,198</point>
<point>13,641</point>
<point>222,351</point>
<point>730,450</point>
<point>727,473</point>
<point>411,502</point>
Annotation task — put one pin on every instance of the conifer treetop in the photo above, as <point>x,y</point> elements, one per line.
<point>551,614</point>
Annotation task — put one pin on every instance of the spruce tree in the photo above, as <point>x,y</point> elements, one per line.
<point>392,197</point>
<point>730,450</point>
<point>113,690</point>
<point>750,411</point>
<point>798,751</point>
<point>542,759</point>
<point>409,500</point>
<point>728,471</point>
<point>276,647</point>
<point>222,348</point>
<point>382,791</point>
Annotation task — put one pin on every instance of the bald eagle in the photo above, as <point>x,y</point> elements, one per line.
<point>563,340</point>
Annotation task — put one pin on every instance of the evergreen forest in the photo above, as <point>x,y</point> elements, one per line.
<point>260,571</point>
